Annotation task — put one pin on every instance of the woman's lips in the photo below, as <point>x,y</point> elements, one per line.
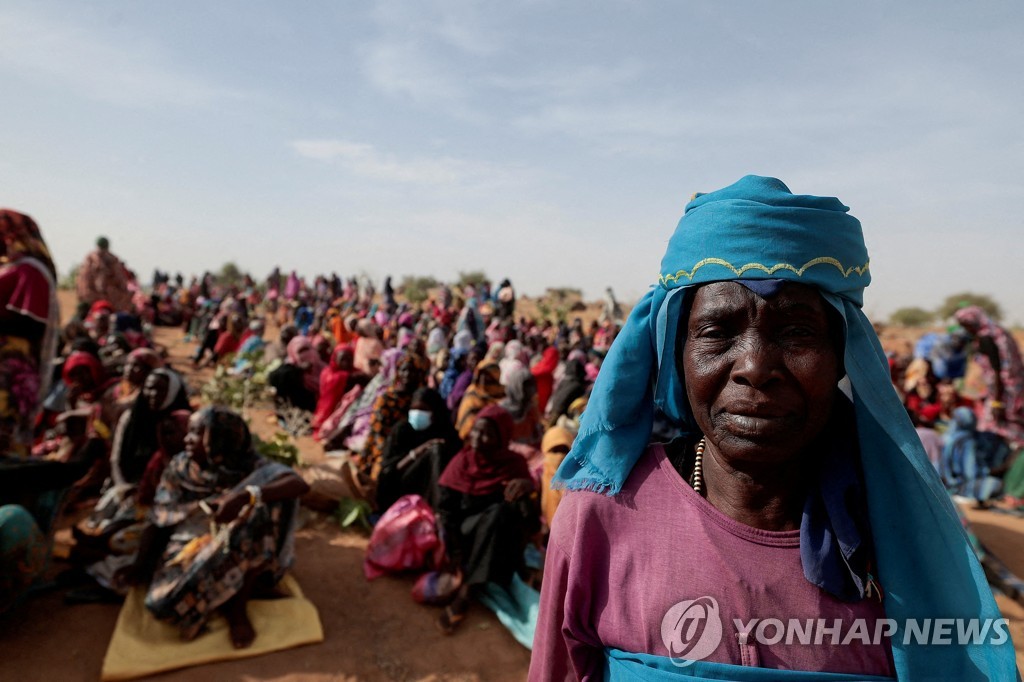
<point>755,423</point>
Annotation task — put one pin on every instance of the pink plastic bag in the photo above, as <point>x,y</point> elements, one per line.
<point>405,539</point>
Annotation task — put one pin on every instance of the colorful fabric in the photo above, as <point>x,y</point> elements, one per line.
<point>969,455</point>
<point>756,229</point>
<point>102,276</point>
<point>333,385</point>
<point>485,389</point>
<point>620,557</point>
<point>202,567</point>
<point>390,408</point>
<point>1010,375</point>
<point>28,291</point>
<point>300,353</point>
<point>24,551</point>
<point>452,372</point>
<point>544,373</point>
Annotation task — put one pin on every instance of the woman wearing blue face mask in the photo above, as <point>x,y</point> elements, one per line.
<point>417,451</point>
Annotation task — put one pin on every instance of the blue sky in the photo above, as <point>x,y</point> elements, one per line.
<point>555,143</point>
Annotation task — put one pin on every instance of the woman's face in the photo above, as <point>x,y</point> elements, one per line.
<point>195,439</point>
<point>305,356</point>
<point>135,372</point>
<point>484,438</point>
<point>760,374</point>
<point>81,378</point>
<point>171,436</point>
<point>343,358</point>
<point>407,377</point>
<point>155,390</point>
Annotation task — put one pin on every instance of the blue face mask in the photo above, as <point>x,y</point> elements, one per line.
<point>420,419</point>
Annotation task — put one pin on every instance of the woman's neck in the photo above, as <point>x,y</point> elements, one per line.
<point>765,496</point>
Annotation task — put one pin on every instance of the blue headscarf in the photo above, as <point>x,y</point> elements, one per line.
<point>756,229</point>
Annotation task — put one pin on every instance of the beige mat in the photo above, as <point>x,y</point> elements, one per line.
<point>142,645</point>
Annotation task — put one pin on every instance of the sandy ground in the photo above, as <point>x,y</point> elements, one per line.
<point>373,631</point>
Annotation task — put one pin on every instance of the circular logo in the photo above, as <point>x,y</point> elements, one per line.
<point>692,630</point>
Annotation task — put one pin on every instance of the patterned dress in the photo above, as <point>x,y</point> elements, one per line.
<point>204,565</point>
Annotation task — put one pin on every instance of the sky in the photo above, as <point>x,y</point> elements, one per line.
<point>552,142</point>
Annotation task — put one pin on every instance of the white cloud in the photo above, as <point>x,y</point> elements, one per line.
<point>366,161</point>
<point>124,73</point>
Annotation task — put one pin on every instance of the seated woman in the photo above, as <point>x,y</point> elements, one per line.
<point>336,379</point>
<point>136,441</point>
<point>296,382</point>
<point>84,429</point>
<point>417,450</point>
<point>190,569</point>
<point>973,461</point>
<point>488,510</point>
<point>137,367</point>
<point>798,495</point>
<point>390,407</point>
<point>570,387</point>
<point>521,403</point>
<point>485,389</point>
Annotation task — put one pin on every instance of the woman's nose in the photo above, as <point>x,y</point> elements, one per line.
<point>758,362</point>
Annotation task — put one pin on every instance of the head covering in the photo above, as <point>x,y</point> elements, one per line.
<point>22,239</point>
<point>136,434</point>
<point>518,400</point>
<point>452,372</point>
<point>80,358</point>
<point>228,441</point>
<point>311,375</point>
<point>24,246</point>
<point>177,395</point>
<point>333,384</point>
<point>146,356</point>
<point>471,473</point>
<point>756,229</point>
<point>515,358</point>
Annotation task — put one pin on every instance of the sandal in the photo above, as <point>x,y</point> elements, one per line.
<point>449,621</point>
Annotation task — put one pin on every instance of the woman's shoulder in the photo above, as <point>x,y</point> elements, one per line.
<point>584,513</point>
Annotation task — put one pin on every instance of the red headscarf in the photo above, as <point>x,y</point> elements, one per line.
<point>544,373</point>
<point>333,384</point>
<point>82,359</point>
<point>471,473</point>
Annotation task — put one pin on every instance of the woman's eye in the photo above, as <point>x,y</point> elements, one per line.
<point>712,331</point>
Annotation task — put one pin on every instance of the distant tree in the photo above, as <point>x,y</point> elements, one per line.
<point>472,278</point>
<point>957,301</point>
<point>911,317</point>
<point>416,289</point>
<point>230,274</point>
<point>564,293</point>
<point>69,280</point>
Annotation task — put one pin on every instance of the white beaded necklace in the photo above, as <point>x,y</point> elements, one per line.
<point>697,477</point>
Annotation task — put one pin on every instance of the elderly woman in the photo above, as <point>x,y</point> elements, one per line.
<point>798,491</point>
<point>221,526</point>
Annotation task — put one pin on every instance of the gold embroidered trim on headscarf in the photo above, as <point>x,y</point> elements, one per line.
<point>665,280</point>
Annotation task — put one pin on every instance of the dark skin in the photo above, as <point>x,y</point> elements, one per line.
<point>226,508</point>
<point>135,372</point>
<point>420,450</point>
<point>80,382</point>
<point>760,378</point>
<point>154,391</point>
